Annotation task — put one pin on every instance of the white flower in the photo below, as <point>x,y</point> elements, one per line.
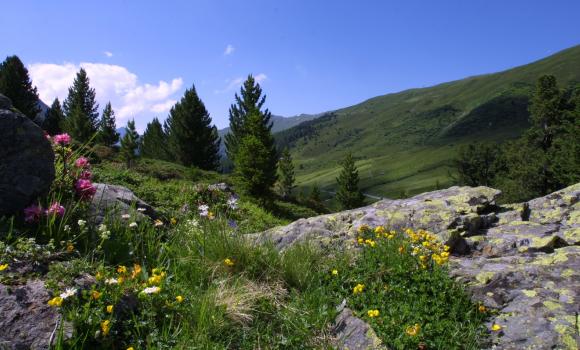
<point>69,292</point>
<point>102,228</point>
<point>151,290</point>
<point>111,281</point>
<point>81,223</point>
<point>203,210</point>
<point>141,209</point>
<point>67,228</point>
<point>125,216</point>
<point>233,203</point>
<point>133,225</point>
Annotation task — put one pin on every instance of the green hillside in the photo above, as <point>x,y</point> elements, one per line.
<point>405,142</point>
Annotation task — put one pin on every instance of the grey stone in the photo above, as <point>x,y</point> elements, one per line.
<point>112,200</point>
<point>26,160</point>
<point>352,333</point>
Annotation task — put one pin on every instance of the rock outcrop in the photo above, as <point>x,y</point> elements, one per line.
<point>522,260</point>
<point>117,200</point>
<point>26,160</point>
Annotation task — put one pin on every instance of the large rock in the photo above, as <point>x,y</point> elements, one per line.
<point>26,321</point>
<point>113,200</point>
<point>522,260</point>
<point>26,160</point>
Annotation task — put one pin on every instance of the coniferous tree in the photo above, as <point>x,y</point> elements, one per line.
<point>54,118</point>
<point>255,162</point>
<point>15,84</point>
<point>249,102</point>
<point>287,177</point>
<point>130,144</point>
<point>108,134</point>
<point>154,143</point>
<point>348,194</point>
<point>192,139</point>
<point>478,164</point>
<point>81,109</point>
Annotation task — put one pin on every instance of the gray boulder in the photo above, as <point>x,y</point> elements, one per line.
<point>523,260</point>
<point>26,160</point>
<point>113,200</point>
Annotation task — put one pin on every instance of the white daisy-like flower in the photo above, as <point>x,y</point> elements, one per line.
<point>81,223</point>
<point>133,225</point>
<point>69,292</point>
<point>203,210</point>
<point>125,216</point>
<point>152,290</point>
<point>233,203</point>
<point>67,228</point>
<point>141,209</point>
<point>111,281</point>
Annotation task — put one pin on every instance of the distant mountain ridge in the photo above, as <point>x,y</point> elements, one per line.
<point>405,142</point>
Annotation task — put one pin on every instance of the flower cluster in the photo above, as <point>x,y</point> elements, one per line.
<point>35,212</point>
<point>425,246</point>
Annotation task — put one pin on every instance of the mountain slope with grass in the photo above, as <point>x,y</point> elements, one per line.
<point>404,142</point>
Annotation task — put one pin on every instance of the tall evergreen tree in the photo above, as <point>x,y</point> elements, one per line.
<point>478,164</point>
<point>256,158</point>
<point>250,101</point>
<point>287,177</point>
<point>130,144</point>
<point>108,134</point>
<point>192,139</point>
<point>15,84</point>
<point>81,109</point>
<point>54,118</point>
<point>348,194</point>
<point>154,143</point>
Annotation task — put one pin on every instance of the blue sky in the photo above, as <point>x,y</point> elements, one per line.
<point>311,56</point>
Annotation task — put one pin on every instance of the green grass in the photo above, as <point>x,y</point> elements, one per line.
<point>408,139</point>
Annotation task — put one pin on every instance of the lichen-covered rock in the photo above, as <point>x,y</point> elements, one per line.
<point>26,321</point>
<point>523,260</point>
<point>352,333</point>
<point>117,201</point>
<point>26,160</point>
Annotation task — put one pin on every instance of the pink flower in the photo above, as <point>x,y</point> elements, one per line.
<point>85,189</point>
<point>47,136</point>
<point>86,175</point>
<point>32,213</point>
<point>55,209</point>
<point>62,139</point>
<point>82,162</point>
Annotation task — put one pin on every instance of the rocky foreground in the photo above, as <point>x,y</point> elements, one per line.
<point>522,260</point>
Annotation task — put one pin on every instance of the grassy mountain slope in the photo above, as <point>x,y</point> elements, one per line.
<point>404,142</point>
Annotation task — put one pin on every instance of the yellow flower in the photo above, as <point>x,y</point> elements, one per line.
<point>179,298</point>
<point>154,280</point>
<point>122,269</point>
<point>373,313</point>
<point>360,240</point>
<point>120,279</point>
<point>130,348</point>
<point>446,248</point>
<point>3,267</point>
<point>136,270</point>
<point>228,262</point>
<point>335,272</point>
<point>423,258</point>
<point>173,221</point>
<point>210,215</point>
<point>379,230</point>
<point>413,330</point>
<point>496,327</point>
<point>106,327</point>
<point>56,301</point>
<point>109,309</point>
<point>157,271</point>
<point>158,223</point>
<point>99,276</point>
<point>95,295</point>
<point>358,289</point>
<point>70,247</point>
<point>482,308</point>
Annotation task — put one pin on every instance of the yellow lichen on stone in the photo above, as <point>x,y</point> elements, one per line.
<point>484,277</point>
<point>552,305</point>
<point>529,293</point>
<point>568,273</point>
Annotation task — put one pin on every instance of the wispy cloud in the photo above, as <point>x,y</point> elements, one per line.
<point>129,97</point>
<point>108,54</point>
<point>237,82</point>
<point>229,50</point>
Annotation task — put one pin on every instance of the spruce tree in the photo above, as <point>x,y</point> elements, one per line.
<point>348,194</point>
<point>108,134</point>
<point>192,139</point>
<point>287,177</point>
<point>81,109</point>
<point>255,162</point>
<point>130,144</point>
<point>54,118</point>
<point>250,101</point>
<point>15,84</point>
<point>154,143</point>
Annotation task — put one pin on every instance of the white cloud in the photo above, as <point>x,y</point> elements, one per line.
<point>229,50</point>
<point>237,82</point>
<point>108,54</point>
<point>129,97</point>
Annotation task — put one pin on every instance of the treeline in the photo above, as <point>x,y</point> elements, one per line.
<point>544,159</point>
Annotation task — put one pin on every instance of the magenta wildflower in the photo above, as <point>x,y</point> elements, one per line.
<point>82,162</point>
<point>86,175</point>
<point>32,213</point>
<point>62,139</point>
<point>85,189</point>
<point>55,209</point>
